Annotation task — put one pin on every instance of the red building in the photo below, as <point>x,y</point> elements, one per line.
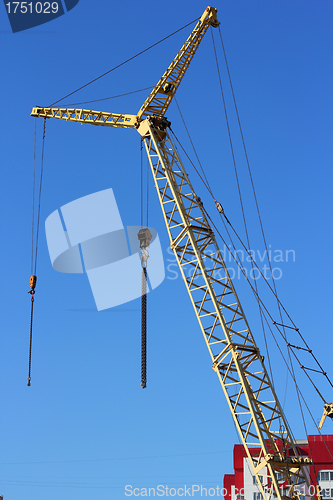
<point>242,484</point>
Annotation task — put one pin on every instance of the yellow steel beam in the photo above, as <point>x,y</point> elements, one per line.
<point>87,116</point>
<point>158,100</point>
<point>161,96</point>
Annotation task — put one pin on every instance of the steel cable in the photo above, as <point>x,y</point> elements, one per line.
<point>40,196</point>
<point>263,305</point>
<point>33,277</point>
<point>122,64</point>
<point>252,184</point>
<point>107,98</point>
<point>240,197</point>
<point>33,201</point>
<point>205,183</point>
<point>30,342</point>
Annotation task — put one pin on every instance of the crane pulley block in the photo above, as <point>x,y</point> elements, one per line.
<point>328,412</point>
<point>167,88</point>
<point>160,124</point>
<point>145,237</point>
<point>33,281</point>
<point>212,19</point>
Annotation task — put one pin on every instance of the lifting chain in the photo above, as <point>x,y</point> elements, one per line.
<point>145,237</point>
<point>144,328</point>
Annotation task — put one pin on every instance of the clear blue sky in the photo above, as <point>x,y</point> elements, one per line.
<point>85,429</point>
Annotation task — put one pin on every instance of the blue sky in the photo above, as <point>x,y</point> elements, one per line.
<point>85,429</point>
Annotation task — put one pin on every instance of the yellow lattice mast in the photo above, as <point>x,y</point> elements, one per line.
<point>236,358</point>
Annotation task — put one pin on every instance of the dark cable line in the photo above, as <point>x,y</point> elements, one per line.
<point>285,392</point>
<point>254,291</point>
<point>122,64</point>
<point>265,308</point>
<point>250,173</point>
<point>33,202</point>
<point>304,401</point>
<point>40,194</point>
<point>240,194</point>
<point>298,390</point>
<point>33,277</point>
<point>195,152</point>
<point>106,98</point>
<point>195,168</point>
<point>141,182</point>
<point>281,333</point>
<point>30,336</point>
<point>239,191</point>
<point>255,264</point>
<point>203,174</point>
<point>256,294</point>
<point>282,307</point>
<point>236,259</point>
<point>239,265</point>
<point>147,187</point>
<point>116,459</point>
<point>246,157</point>
<point>206,183</point>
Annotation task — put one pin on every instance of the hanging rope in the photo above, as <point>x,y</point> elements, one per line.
<point>34,244</point>
<point>254,192</point>
<point>253,263</point>
<point>195,151</point>
<point>255,292</point>
<point>65,105</point>
<point>141,182</point>
<point>33,201</point>
<point>289,366</point>
<point>241,204</point>
<point>265,310</point>
<point>33,280</point>
<point>40,195</point>
<point>147,188</point>
<point>219,207</point>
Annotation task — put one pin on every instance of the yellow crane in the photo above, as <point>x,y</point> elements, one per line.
<point>235,357</point>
